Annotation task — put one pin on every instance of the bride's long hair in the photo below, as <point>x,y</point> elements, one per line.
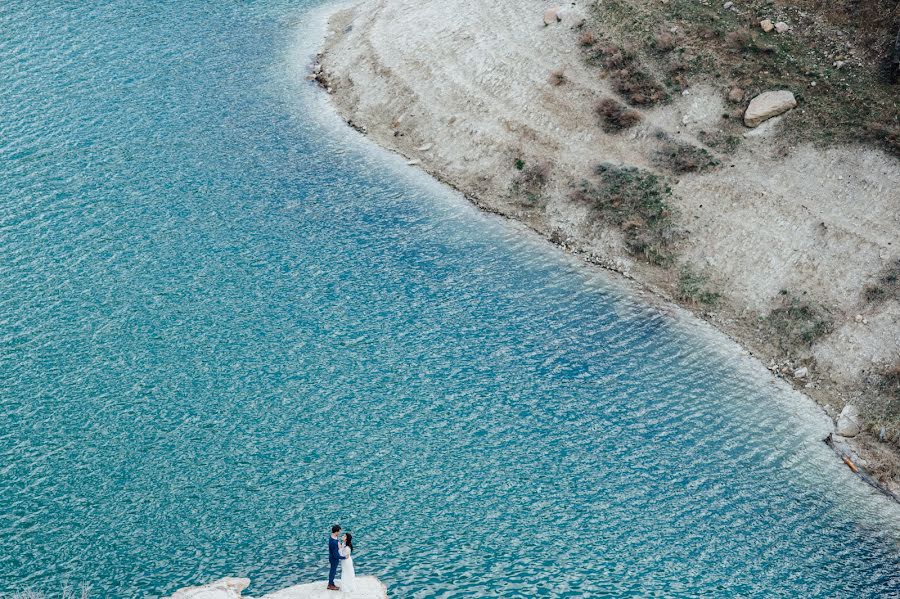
<point>348,541</point>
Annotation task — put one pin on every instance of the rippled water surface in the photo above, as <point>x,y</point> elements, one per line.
<point>226,322</point>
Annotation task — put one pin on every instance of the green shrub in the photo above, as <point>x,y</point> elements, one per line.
<point>634,200</point>
<point>531,180</point>
<point>797,323</point>
<point>680,157</point>
<point>692,289</point>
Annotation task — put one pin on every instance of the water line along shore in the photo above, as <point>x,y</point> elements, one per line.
<point>497,101</point>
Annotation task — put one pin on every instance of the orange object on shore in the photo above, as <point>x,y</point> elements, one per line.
<point>850,464</point>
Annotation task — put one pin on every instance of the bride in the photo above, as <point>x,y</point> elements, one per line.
<point>348,576</point>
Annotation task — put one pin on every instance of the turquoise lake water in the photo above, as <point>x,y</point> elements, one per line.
<point>227,321</point>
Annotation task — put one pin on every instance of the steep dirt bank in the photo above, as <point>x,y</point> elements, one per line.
<point>786,245</point>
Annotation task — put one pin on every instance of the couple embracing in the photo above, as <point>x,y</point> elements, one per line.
<point>340,549</point>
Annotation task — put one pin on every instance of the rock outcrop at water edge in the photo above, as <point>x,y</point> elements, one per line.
<point>367,587</point>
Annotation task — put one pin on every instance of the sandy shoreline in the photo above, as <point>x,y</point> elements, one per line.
<point>461,89</point>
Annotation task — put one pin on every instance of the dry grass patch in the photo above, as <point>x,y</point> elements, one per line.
<point>720,141</point>
<point>887,287</point>
<point>883,462</point>
<point>587,39</point>
<point>531,179</point>
<point>890,385</point>
<point>797,324</point>
<point>679,157</point>
<point>881,406</point>
<point>693,288</point>
<point>664,41</point>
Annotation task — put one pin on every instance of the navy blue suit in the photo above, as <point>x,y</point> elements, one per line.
<point>334,556</point>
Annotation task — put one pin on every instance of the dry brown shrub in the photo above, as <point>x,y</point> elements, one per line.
<point>740,39</point>
<point>613,57</point>
<point>664,41</point>
<point>615,116</point>
<point>557,77</point>
<point>883,462</point>
<point>638,88</point>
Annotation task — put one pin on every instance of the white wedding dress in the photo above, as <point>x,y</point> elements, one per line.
<point>348,575</point>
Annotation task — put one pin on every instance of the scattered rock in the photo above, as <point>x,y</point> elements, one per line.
<point>736,95</point>
<point>859,318</point>
<point>767,129</point>
<point>848,422</point>
<point>840,445</point>
<point>782,27</point>
<point>766,25</point>
<point>838,64</point>
<point>768,104</point>
<point>424,148</point>
<point>727,5</point>
<point>801,373</point>
<point>551,16</point>
<point>413,162</point>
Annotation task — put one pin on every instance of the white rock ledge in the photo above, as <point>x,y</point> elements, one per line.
<point>367,587</point>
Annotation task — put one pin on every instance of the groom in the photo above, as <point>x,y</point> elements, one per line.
<point>334,556</point>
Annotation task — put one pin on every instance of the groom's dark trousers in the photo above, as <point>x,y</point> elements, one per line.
<point>334,557</point>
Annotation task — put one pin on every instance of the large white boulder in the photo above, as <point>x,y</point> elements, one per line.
<point>367,587</point>
<point>768,104</point>
<point>225,588</point>
<point>848,423</point>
